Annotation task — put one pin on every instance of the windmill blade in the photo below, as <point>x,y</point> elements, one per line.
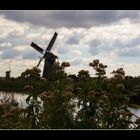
<point>37,47</point>
<point>39,62</point>
<point>52,42</point>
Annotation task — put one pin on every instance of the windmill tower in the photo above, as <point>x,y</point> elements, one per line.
<point>7,76</point>
<point>48,56</point>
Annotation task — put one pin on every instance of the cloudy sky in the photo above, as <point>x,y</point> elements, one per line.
<point>112,36</point>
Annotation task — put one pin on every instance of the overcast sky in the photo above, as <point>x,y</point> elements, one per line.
<point>112,36</point>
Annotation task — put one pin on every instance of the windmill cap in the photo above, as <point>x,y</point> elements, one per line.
<point>49,54</point>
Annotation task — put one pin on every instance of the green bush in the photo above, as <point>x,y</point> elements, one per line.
<point>62,103</point>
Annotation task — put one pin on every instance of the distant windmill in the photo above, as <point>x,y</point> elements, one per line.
<point>7,76</point>
<point>48,56</point>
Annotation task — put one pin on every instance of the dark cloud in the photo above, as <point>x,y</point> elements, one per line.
<point>73,40</point>
<point>131,14</point>
<point>94,50</point>
<point>10,53</point>
<point>129,52</point>
<point>119,45</point>
<point>30,55</point>
<point>95,42</point>
<point>97,46</point>
<point>65,18</point>
<point>77,61</point>
<point>134,42</point>
<point>14,40</point>
<point>61,50</point>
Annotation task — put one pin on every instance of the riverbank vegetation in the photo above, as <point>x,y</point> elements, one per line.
<point>71,101</point>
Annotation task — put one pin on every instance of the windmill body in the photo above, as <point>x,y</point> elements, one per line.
<point>7,76</point>
<point>49,68</point>
<point>48,56</point>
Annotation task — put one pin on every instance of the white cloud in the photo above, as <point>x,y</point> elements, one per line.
<point>76,52</point>
<point>110,36</point>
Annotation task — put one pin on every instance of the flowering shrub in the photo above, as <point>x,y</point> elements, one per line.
<point>65,103</point>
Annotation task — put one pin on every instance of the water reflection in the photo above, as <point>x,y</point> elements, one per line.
<point>135,111</point>
<point>19,97</point>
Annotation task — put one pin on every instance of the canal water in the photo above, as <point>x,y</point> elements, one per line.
<point>21,99</point>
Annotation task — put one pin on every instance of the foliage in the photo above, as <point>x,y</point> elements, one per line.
<point>65,103</point>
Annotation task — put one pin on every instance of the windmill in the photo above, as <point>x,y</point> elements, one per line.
<point>48,56</point>
<point>7,76</point>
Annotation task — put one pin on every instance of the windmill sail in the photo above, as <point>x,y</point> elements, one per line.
<point>48,56</point>
<point>51,42</point>
<point>37,48</point>
<point>39,61</point>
